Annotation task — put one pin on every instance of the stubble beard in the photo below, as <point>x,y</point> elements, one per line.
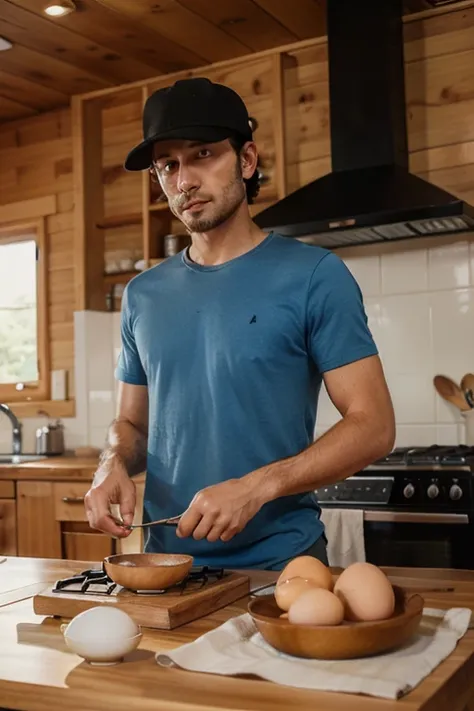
<point>233,196</point>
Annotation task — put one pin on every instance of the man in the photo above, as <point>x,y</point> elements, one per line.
<point>224,349</point>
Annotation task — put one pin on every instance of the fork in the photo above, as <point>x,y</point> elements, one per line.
<point>172,521</point>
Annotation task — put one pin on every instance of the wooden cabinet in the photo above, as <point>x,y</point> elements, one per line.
<point>8,527</point>
<point>39,534</point>
<point>48,520</point>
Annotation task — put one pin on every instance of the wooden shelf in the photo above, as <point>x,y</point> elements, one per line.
<point>124,277</point>
<point>120,221</point>
<point>159,207</point>
<point>120,277</point>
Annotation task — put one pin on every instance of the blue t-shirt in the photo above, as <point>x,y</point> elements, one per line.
<point>233,357</point>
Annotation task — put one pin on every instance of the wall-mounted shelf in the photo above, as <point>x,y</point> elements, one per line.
<point>159,207</point>
<point>120,277</point>
<point>124,277</point>
<point>134,218</point>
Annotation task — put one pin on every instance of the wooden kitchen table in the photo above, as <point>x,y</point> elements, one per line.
<point>37,672</point>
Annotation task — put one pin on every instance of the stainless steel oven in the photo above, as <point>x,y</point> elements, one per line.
<point>417,506</point>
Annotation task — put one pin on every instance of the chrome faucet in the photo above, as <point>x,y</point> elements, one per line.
<point>16,427</point>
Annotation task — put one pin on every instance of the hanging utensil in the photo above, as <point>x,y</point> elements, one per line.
<point>467,387</point>
<point>451,392</point>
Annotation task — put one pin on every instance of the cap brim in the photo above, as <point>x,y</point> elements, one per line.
<point>141,157</point>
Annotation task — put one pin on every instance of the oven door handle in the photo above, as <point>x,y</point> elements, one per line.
<point>410,517</point>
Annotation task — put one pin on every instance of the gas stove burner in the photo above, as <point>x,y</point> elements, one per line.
<point>96,582</point>
<point>434,454</point>
<point>89,582</point>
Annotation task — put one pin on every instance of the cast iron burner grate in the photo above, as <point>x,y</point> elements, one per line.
<point>96,582</point>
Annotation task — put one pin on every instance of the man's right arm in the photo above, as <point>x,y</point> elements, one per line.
<point>123,458</point>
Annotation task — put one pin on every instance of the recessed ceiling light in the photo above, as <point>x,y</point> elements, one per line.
<point>59,9</point>
<point>5,44</point>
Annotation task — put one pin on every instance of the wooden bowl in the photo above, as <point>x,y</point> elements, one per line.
<point>348,640</point>
<point>147,571</point>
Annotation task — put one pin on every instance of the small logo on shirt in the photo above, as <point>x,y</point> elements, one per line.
<point>253,319</point>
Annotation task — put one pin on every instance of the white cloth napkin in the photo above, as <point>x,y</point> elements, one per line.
<point>236,647</point>
<point>345,534</point>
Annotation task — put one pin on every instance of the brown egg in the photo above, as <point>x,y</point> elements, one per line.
<point>305,566</point>
<point>287,592</point>
<point>316,607</point>
<point>366,593</point>
<point>284,616</point>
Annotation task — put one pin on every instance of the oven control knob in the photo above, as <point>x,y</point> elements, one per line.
<point>455,492</point>
<point>408,491</point>
<point>432,491</point>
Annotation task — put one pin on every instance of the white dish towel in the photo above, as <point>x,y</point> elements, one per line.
<point>236,647</point>
<point>345,534</point>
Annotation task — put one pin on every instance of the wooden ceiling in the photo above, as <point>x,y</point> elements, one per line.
<point>111,42</point>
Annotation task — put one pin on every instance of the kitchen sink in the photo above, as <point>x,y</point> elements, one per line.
<point>20,458</point>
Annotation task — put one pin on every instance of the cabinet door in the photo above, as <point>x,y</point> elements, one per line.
<point>8,527</point>
<point>39,534</point>
<point>79,545</point>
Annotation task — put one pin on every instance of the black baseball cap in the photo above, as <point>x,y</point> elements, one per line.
<point>194,109</point>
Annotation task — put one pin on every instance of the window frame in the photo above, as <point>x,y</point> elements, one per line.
<point>40,389</point>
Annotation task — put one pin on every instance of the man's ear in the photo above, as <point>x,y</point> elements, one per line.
<point>248,159</point>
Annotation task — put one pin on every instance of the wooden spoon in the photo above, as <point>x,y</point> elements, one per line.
<point>450,391</point>
<point>467,387</point>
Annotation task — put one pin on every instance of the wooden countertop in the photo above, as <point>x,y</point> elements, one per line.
<point>37,671</point>
<point>68,467</point>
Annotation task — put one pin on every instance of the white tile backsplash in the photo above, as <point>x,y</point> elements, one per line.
<point>366,271</point>
<point>404,276</point>
<point>415,435</point>
<point>453,332</point>
<point>420,308</point>
<point>448,266</point>
<point>407,333</point>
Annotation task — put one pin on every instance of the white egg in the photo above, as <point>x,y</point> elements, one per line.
<point>100,623</point>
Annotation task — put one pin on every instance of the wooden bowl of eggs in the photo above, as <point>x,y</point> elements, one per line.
<point>357,615</point>
<point>147,571</point>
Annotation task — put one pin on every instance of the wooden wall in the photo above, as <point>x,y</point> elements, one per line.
<point>439,60</point>
<point>35,161</point>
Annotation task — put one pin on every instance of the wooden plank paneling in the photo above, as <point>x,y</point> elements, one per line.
<point>28,132</point>
<point>50,71</point>
<point>304,18</point>
<point>12,109</point>
<point>29,93</point>
<point>27,209</point>
<point>120,34</point>
<point>244,20</point>
<point>175,22</point>
<point>440,100</point>
<point>441,35</point>
<point>54,40</point>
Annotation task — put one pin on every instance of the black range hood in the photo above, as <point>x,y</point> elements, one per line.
<point>370,195</point>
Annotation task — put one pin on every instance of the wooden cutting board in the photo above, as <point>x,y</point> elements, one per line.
<point>163,611</point>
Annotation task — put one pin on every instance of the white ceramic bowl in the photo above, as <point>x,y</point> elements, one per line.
<point>101,651</point>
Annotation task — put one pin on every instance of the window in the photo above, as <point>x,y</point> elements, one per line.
<point>24,372</point>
